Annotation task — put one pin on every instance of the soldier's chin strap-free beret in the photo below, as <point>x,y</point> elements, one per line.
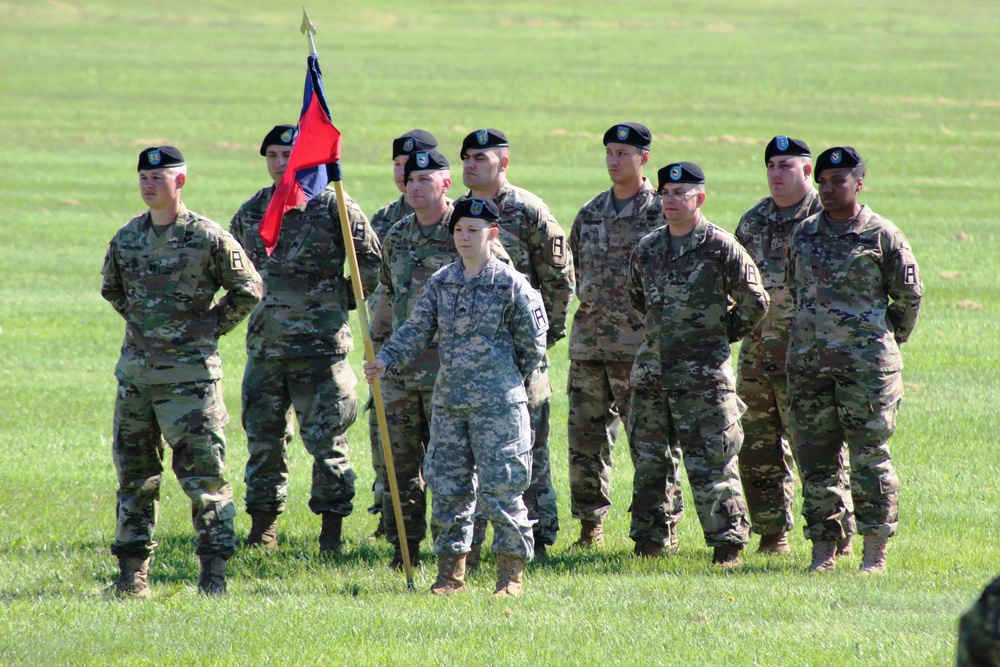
<point>412,142</point>
<point>160,157</point>
<point>280,135</point>
<point>782,145</point>
<point>679,172</point>
<point>424,161</point>
<point>631,134</point>
<point>480,209</point>
<point>838,157</point>
<point>487,138</point>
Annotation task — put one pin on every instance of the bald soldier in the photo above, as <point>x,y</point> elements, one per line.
<point>297,344</point>
<point>538,249</point>
<point>698,291</point>
<point>403,146</point>
<point>766,456</point>
<point>161,273</point>
<point>857,293</point>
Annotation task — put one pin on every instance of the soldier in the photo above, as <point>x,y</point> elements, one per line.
<point>606,330</point>
<point>857,291</point>
<point>491,326</point>
<point>699,291</point>
<point>766,457</point>
<point>161,273</point>
<point>297,344</point>
<point>537,246</point>
<point>384,218</point>
<point>979,630</point>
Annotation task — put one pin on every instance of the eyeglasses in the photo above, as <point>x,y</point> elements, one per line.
<point>678,195</point>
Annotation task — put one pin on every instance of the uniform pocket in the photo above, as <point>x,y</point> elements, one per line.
<point>887,395</point>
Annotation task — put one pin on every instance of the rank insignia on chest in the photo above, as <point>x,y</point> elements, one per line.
<point>538,313</point>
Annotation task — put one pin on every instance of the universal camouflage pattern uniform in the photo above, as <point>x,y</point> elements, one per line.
<point>857,292</point>
<point>297,344</point>
<point>606,335</point>
<point>538,249</point>
<point>766,456</point>
<point>979,630</point>
<point>169,370</point>
<point>409,259</point>
<point>491,335</point>
<point>695,304</point>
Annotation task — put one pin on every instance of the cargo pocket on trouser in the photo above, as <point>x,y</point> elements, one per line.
<point>883,406</point>
<point>714,472</point>
<point>506,467</point>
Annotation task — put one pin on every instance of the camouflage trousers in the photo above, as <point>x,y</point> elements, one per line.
<point>408,416</point>
<point>766,457</point>
<point>709,434</point>
<point>828,410</point>
<point>378,463</point>
<point>599,395</point>
<point>979,630</point>
<point>321,391</point>
<point>540,496</point>
<point>480,458</point>
<point>190,417</point>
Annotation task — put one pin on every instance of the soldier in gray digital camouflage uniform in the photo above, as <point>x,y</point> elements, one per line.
<point>857,292</point>
<point>979,630</point>
<point>538,249</point>
<point>161,273</point>
<point>491,328</point>
<point>699,291</point>
<point>297,344</point>
<point>402,147</point>
<point>766,456</point>
<point>606,330</point>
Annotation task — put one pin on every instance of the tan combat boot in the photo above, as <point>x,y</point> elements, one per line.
<point>824,554</point>
<point>510,570</point>
<point>727,556</point>
<point>329,536</point>
<point>133,578</point>
<point>413,546</point>
<point>646,548</point>
<point>451,575</point>
<point>776,544</point>
<point>213,575</point>
<point>264,531</point>
<point>844,549</point>
<point>591,535</point>
<point>873,558</point>
<point>474,557</point>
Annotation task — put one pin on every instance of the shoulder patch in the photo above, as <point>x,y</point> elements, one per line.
<point>752,277</point>
<point>910,274</point>
<point>558,247</point>
<point>538,315</point>
<point>236,262</point>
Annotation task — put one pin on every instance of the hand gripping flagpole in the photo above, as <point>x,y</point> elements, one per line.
<point>333,170</point>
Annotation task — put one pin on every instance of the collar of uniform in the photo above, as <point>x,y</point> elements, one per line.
<point>182,217</point>
<point>441,232</point>
<point>773,213</point>
<point>697,237</point>
<point>639,202</point>
<point>855,225</point>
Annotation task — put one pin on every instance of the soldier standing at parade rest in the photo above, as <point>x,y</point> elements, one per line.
<point>766,456</point>
<point>606,330</point>
<point>538,249</point>
<point>297,344</point>
<point>491,326</point>
<point>699,291</point>
<point>402,147</point>
<point>161,273</point>
<point>857,292</point>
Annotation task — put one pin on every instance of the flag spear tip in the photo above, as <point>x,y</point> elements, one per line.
<point>307,28</point>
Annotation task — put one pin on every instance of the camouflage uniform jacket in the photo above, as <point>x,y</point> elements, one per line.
<point>304,312</point>
<point>409,259</point>
<point>765,236</point>
<point>605,327</point>
<point>537,247</point>
<point>164,286</point>
<point>389,215</point>
<point>695,304</point>
<point>492,335</point>
<point>842,283</point>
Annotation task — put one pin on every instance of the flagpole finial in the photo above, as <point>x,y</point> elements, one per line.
<point>307,28</point>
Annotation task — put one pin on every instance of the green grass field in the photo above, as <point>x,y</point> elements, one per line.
<point>85,85</point>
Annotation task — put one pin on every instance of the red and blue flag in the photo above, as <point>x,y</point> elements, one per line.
<point>317,144</point>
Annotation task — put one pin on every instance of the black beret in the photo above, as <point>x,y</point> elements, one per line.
<point>412,141</point>
<point>632,134</point>
<point>782,145</point>
<point>481,209</point>
<point>838,157</point>
<point>282,135</point>
<point>424,161</point>
<point>680,172</point>
<point>488,138</point>
<point>160,157</point>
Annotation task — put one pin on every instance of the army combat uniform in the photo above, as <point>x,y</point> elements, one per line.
<point>538,249</point>
<point>297,344</point>
<point>695,304</point>
<point>979,630</point>
<point>766,456</point>
<point>491,335</point>
<point>169,370</point>
<point>606,335</point>
<point>857,292</point>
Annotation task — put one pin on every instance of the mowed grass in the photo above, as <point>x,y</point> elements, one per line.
<point>85,86</point>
